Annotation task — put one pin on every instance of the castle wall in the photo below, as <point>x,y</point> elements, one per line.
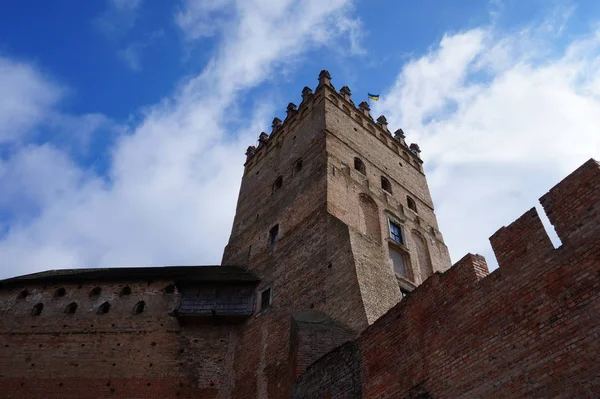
<point>117,354</point>
<point>529,329</point>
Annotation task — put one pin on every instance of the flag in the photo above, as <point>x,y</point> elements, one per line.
<point>374,97</point>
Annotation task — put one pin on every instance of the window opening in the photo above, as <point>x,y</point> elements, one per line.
<point>23,294</point>
<point>277,184</point>
<point>60,292</point>
<point>298,166</point>
<point>403,292</point>
<point>385,185</point>
<point>265,299</point>
<point>139,307</point>
<point>37,309</point>
<point>126,291</point>
<point>359,166</point>
<point>71,308</point>
<point>411,204</point>
<point>398,262</point>
<point>274,235</point>
<point>104,308</point>
<point>95,291</point>
<point>396,233</point>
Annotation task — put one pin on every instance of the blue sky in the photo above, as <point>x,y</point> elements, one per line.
<point>120,120</point>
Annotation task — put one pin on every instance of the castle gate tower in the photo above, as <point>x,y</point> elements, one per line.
<point>335,217</point>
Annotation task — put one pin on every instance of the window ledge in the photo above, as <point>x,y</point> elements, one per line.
<point>398,245</point>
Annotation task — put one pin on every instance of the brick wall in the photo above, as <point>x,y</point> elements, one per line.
<point>529,329</point>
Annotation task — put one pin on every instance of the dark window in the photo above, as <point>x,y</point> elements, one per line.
<point>60,292</point>
<point>385,184</point>
<point>360,166</point>
<point>396,233</point>
<point>95,291</point>
<point>411,204</point>
<point>126,290</point>
<point>170,289</point>
<point>139,307</point>
<point>23,294</point>
<point>274,235</point>
<point>298,166</point>
<point>278,183</point>
<point>37,309</point>
<point>403,292</point>
<point>71,308</point>
<point>265,299</point>
<point>104,308</point>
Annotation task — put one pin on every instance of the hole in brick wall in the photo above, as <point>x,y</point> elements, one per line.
<point>148,384</point>
<point>170,289</point>
<point>139,307</point>
<point>556,242</point>
<point>60,292</point>
<point>23,294</point>
<point>37,309</point>
<point>385,185</point>
<point>329,266</point>
<point>112,390</point>
<point>126,291</point>
<point>278,183</point>
<point>95,291</point>
<point>274,235</point>
<point>153,344</point>
<point>298,166</point>
<point>103,309</point>
<point>71,308</point>
<point>400,163</point>
<point>312,305</point>
<point>60,384</point>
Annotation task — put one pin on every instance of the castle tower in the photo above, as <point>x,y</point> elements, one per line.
<point>334,215</point>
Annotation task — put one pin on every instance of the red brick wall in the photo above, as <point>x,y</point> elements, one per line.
<point>530,329</point>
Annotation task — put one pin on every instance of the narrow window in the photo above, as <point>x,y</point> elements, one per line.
<point>398,262</point>
<point>277,184</point>
<point>170,289</point>
<point>37,309</point>
<point>265,299</point>
<point>23,294</point>
<point>298,166</point>
<point>411,204</point>
<point>396,233</point>
<point>71,308</point>
<point>139,307</point>
<point>359,166</point>
<point>385,185</point>
<point>274,235</point>
<point>60,292</point>
<point>104,308</point>
<point>95,291</point>
<point>126,291</point>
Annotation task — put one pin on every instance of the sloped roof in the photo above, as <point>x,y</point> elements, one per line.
<point>176,273</point>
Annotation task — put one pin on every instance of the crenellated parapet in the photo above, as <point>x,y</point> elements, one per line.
<point>325,91</point>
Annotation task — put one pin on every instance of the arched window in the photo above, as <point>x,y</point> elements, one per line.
<point>298,166</point>
<point>274,235</point>
<point>37,309</point>
<point>126,291</point>
<point>95,291</point>
<point>60,292</point>
<point>139,307</point>
<point>71,308</point>
<point>369,217</point>
<point>423,259</point>
<point>104,308</point>
<point>385,184</point>
<point>411,204</point>
<point>23,294</point>
<point>277,184</point>
<point>360,166</point>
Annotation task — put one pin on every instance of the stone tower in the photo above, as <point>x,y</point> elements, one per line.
<point>335,217</point>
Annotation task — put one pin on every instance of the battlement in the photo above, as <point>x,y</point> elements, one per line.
<point>343,100</point>
<point>529,329</point>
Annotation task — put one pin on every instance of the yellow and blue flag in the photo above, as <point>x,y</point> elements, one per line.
<point>374,97</point>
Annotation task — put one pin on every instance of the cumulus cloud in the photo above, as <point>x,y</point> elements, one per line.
<point>170,190</point>
<point>501,118</point>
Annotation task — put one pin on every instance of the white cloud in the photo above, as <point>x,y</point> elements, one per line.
<point>173,181</point>
<point>119,17</point>
<point>501,118</point>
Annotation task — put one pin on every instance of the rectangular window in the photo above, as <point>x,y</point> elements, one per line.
<point>396,233</point>
<point>398,262</point>
<point>265,299</point>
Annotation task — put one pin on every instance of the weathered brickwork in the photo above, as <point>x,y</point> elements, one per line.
<point>529,329</point>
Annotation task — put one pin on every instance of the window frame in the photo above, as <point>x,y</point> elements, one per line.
<point>393,222</point>
<point>363,168</point>
<point>259,298</point>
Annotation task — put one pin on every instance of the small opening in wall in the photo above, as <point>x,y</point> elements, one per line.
<point>298,166</point>
<point>385,185</point>
<point>139,307</point>
<point>23,294</point>
<point>274,235</point>
<point>126,291</point>
<point>359,165</point>
<point>412,205</point>
<point>278,183</point>
<point>403,292</point>
<point>265,298</point>
<point>170,289</point>
<point>104,308</point>
<point>37,309</point>
<point>95,291</point>
<point>71,308</point>
<point>60,292</point>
